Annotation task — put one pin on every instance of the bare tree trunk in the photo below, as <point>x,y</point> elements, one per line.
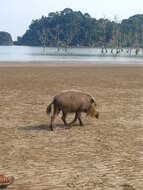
<point>43,38</point>
<point>137,43</point>
<point>115,36</point>
<point>103,26</point>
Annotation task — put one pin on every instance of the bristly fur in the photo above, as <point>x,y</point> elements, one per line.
<point>91,111</point>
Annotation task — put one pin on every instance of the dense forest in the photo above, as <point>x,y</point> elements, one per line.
<point>73,28</point>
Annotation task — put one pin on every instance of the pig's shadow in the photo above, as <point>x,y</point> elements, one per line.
<point>127,187</point>
<point>3,186</point>
<point>44,126</point>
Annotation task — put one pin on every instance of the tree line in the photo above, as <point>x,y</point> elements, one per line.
<point>70,28</point>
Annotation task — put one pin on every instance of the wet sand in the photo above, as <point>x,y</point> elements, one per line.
<point>104,154</point>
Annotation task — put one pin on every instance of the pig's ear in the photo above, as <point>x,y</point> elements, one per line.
<point>92,101</point>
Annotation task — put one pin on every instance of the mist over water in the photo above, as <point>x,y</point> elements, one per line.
<point>27,53</point>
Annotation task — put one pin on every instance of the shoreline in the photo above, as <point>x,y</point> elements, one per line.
<point>69,64</point>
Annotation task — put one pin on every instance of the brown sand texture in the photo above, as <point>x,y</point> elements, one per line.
<point>105,154</point>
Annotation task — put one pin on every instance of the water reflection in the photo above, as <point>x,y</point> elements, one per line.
<point>26,53</point>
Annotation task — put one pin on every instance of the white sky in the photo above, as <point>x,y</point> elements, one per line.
<point>16,15</point>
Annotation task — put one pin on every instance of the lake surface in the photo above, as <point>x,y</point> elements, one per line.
<point>26,54</point>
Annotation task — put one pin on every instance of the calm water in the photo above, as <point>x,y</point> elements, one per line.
<point>25,53</point>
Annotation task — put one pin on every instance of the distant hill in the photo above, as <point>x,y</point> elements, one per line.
<point>5,38</point>
<point>73,28</point>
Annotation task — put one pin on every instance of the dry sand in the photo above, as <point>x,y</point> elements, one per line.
<point>105,154</point>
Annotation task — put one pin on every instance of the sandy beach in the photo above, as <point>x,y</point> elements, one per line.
<point>105,154</point>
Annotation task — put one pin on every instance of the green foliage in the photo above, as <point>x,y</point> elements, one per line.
<point>73,28</point>
<point>5,39</point>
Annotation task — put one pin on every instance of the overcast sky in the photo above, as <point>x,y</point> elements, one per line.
<point>16,15</point>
